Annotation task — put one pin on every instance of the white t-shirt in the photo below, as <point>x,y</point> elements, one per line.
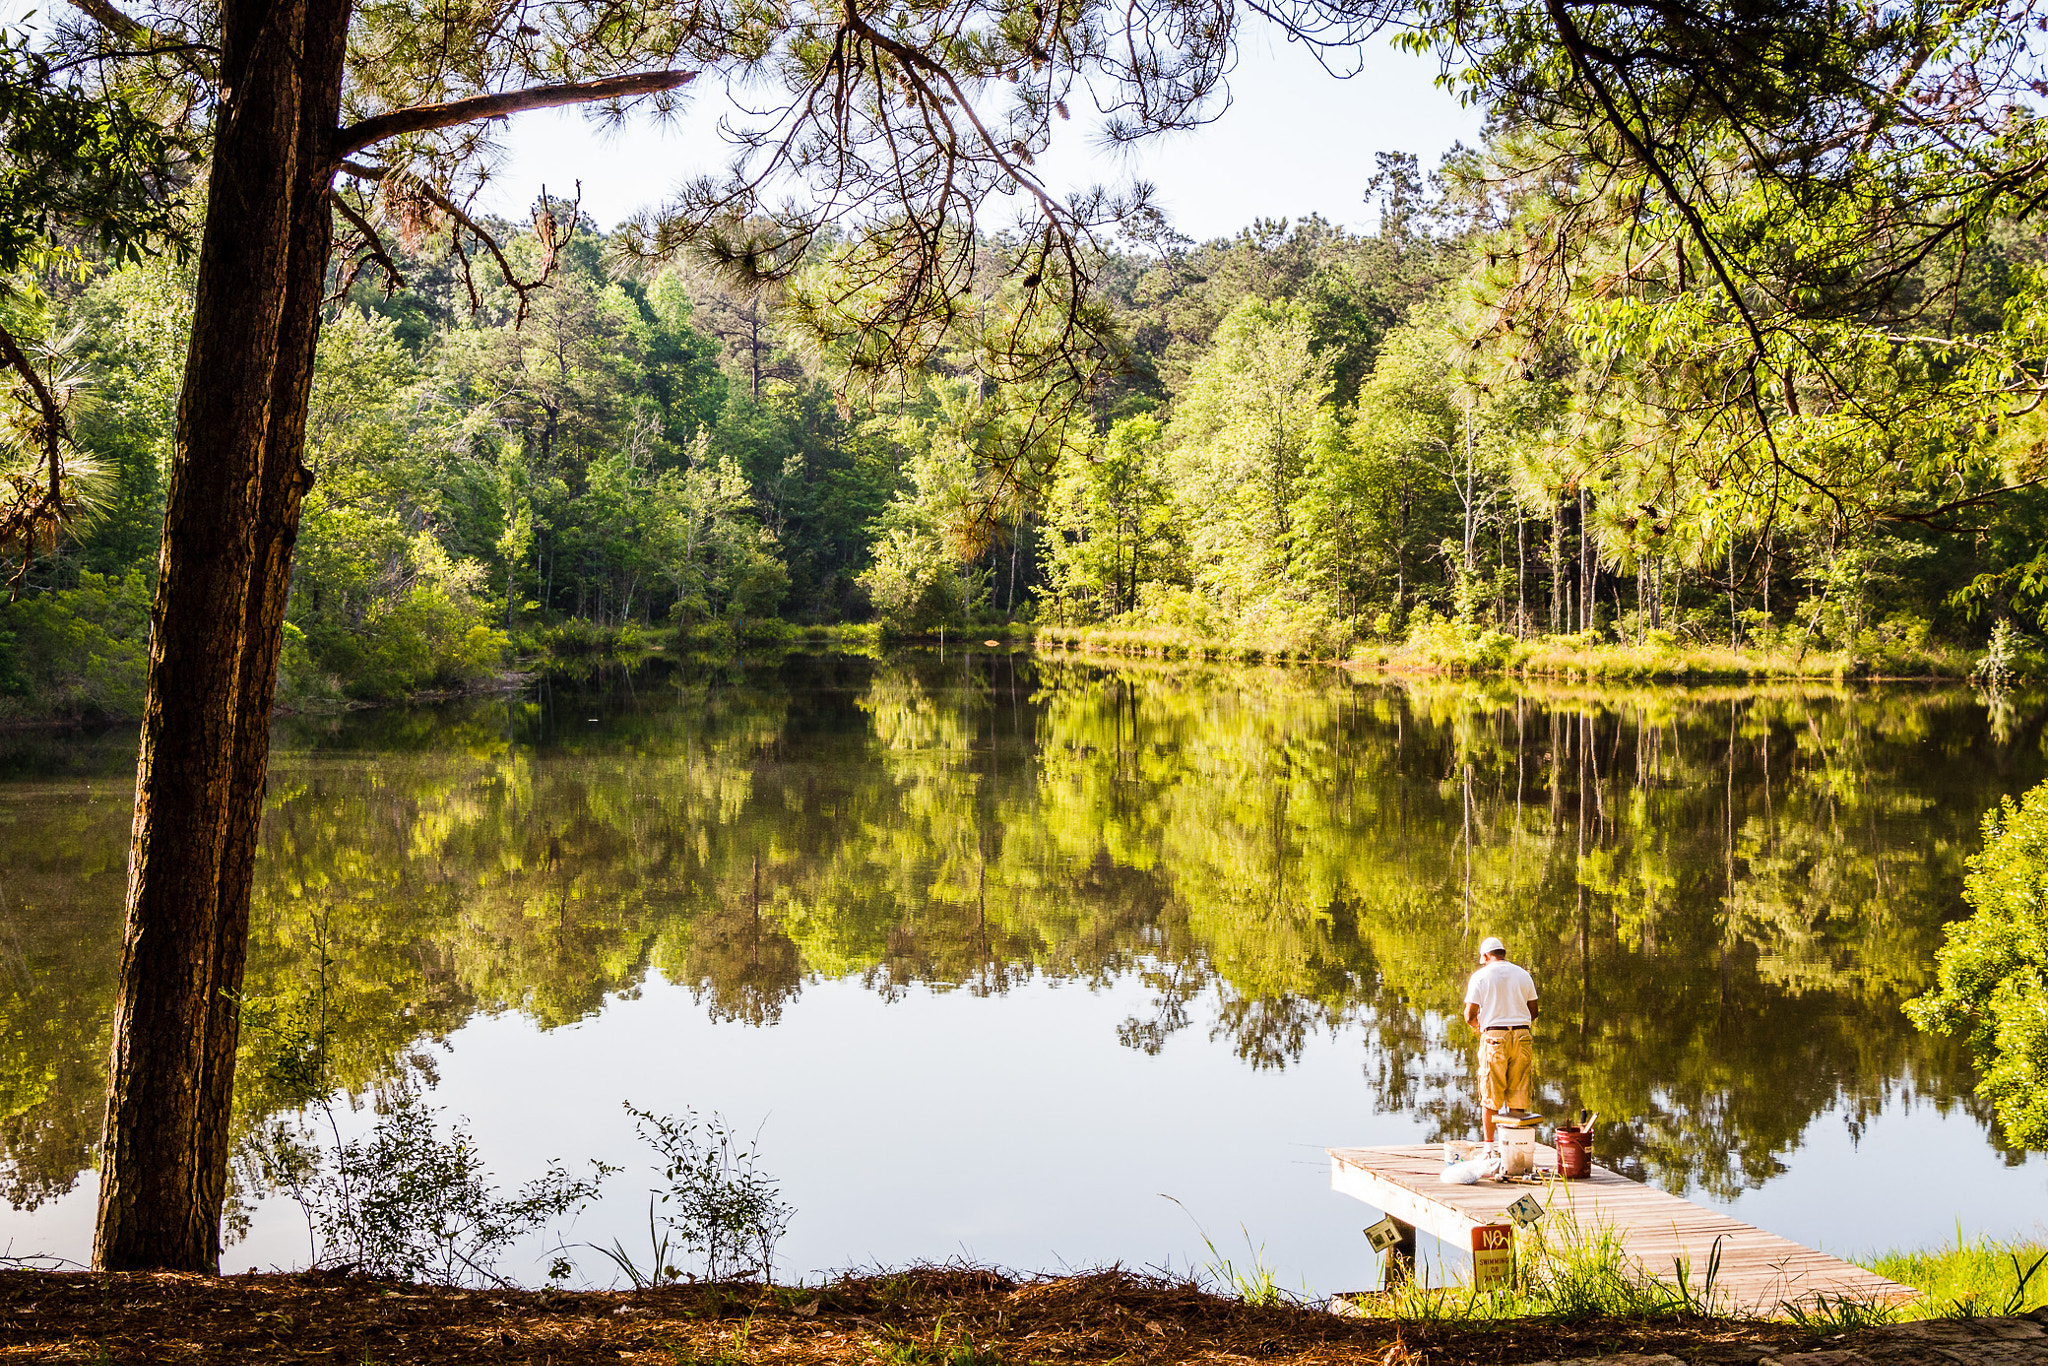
<point>1503,992</point>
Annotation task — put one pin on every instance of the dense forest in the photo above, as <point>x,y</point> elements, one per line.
<point>1302,444</point>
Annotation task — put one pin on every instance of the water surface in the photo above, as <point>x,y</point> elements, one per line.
<point>993,954</point>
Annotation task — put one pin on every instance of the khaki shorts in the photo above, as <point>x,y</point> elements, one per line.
<point>1507,1068</point>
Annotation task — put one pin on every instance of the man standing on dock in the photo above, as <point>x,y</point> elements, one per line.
<point>1500,1002</point>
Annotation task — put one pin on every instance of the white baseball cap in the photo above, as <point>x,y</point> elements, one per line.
<point>1491,945</point>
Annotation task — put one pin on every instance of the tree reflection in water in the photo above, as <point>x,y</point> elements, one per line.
<point>1725,894</point>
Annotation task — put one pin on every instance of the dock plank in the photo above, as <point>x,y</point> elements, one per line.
<point>1759,1271</point>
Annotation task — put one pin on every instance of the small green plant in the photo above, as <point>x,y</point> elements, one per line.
<point>403,1200</point>
<point>408,1202</point>
<point>659,1269</point>
<point>1825,1315</point>
<point>1703,1303</point>
<point>902,1349</point>
<point>722,1207</point>
<point>1257,1284</point>
<point>731,1352</point>
<point>2006,660</point>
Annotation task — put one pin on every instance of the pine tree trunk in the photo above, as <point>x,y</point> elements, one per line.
<point>1521,576</point>
<point>1557,613</point>
<point>283,483</point>
<point>230,520</point>
<point>1588,589</point>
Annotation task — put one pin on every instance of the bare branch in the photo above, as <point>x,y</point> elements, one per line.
<point>372,243</point>
<point>424,117</point>
<point>425,190</point>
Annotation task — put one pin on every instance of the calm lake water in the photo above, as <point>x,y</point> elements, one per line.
<point>995,954</point>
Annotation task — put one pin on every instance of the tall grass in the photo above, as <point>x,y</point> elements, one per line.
<point>1256,1284</point>
<point>1565,1272</point>
<point>1969,1276</point>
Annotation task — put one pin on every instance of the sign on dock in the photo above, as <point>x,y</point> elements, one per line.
<point>1493,1255</point>
<point>1758,1271</point>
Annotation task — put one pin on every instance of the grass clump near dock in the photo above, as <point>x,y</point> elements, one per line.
<point>1564,1273</point>
<point>1969,1276</point>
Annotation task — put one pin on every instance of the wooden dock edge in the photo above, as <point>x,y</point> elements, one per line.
<point>1760,1272</point>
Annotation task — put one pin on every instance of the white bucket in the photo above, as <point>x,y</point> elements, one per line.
<point>1517,1149</point>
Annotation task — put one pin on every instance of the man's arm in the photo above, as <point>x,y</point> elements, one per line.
<point>1472,1014</point>
<point>1535,1009</point>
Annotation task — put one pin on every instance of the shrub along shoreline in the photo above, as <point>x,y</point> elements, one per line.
<point>1443,649</point>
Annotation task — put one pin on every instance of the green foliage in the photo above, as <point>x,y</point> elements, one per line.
<point>1252,418</point>
<point>1111,524</point>
<point>576,637</point>
<point>403,1200</point>
<point>1992,986</point>
<point>1826,1315</point>
<point>408,1202</point>
<point>1969,1276</point>
<point>916,583</point>
<point>705,539</point>
<point>720,1205</point>
<point>2008,658</point>
<point>77,162</point>
<point>1322,435</point>
<point>79,652</point>
<point>918,580</point>
<point>1255,1284</point>
<point>821,481</point>
<point>731,1352</point>
<point>432,632</point>
<point>1447,644</point>
<point>940,1349</point>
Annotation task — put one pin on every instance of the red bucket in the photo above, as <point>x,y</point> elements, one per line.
<point>1574,1152</point>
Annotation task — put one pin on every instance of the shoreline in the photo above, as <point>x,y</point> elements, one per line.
<point>922,1316</point>
<point>1615,665</point>
<point>1537,658</point>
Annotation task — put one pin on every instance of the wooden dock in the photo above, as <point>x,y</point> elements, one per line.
<point>1759,1271</point>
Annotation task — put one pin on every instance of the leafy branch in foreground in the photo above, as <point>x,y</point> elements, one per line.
<point>404,1199</point>
<point>78,172</point>
<point>1992,970</point>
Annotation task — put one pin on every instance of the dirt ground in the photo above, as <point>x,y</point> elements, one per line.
<point>938,1316</point>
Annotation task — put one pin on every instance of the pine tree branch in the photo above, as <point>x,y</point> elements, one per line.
<point>420,118</point>
<point>150,42</point>
<point>54,430</point>
<point>411,184</point>
<point>372,243</point>
<point>33,509</point>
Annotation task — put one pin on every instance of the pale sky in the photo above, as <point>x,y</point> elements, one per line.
<point>1295,141</point>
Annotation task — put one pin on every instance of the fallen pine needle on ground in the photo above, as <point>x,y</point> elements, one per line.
<point>926,1316</point>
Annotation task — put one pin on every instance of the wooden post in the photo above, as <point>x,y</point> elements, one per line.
<point>1400,1259</point>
